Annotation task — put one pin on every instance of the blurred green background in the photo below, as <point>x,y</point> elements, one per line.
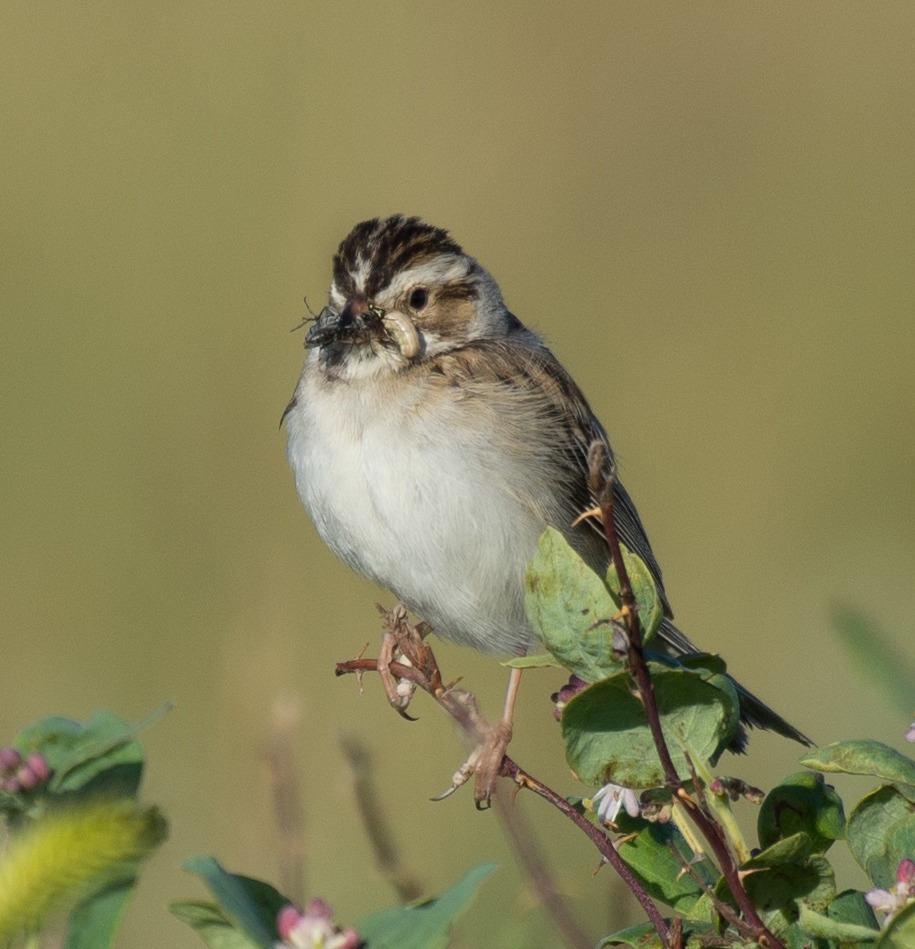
<point>708,211</point>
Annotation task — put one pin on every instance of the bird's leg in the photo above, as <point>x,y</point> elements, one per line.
<point>492,749</point>
<point>405,643</point>
<point>490,741</point>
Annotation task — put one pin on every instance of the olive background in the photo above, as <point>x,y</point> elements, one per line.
<point>706,208</point>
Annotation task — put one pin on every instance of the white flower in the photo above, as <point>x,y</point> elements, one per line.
<point>893,900</point>
<point>610,798</point>
<point>313,929</point>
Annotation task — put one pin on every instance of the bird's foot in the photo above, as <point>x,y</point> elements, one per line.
<point>398,691</point>
<point>404,643</point>
<point>484,764</point>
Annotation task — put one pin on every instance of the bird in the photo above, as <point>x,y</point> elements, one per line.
<point>433,438</point>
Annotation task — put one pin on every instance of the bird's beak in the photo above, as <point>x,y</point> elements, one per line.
<point>361,320</point>
<point>356,306</point>
<point>331,326</point>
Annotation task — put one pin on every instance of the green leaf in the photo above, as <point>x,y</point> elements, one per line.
<point>651,609</point>
<point>803,802</point>
<point>850,906</point>
<point>863,756</point>
<point>543,660</point>
<point>791,935</point>
<point>714,666</point>
<point>251,906</point>
<point>643,936</point>
<point>786,874</point>
<point>823,927</point>
<point>607,735</point>
<point>713,671</point>
<point>570,608</point>
<point>900,934</point>
<point>94,922</point>
<point>102,755</point>
<point>52,736</point>
<point>900,841</point>
<point>106,756</point>
<point>907,791</point>
<point>79,753</point>
<point>778,893</point>
<point>791,850</point>
<point>424,926</point>
<point>881,833</point>
<point>649,854</point>
<point>212,925</point>
<point>823,889</point>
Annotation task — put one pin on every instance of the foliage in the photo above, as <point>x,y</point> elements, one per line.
<point>78,835</point>
<point>68,796</point>
<point>787,881</point>
<point>245,914</point>
<point>642,731</point>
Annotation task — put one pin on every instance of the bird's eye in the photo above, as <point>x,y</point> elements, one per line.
<point>419,298</point>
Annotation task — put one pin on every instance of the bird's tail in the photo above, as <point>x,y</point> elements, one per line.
<point>753,711</point>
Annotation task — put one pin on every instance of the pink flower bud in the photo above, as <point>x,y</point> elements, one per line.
<point>313,929</point>
<point>27,778</point>
<point>756,795</point>
<point>570,689</point>
<point>351,939</point>
<point>286,921</point>
<point>905,874</point>
<point>38,765</point>
<point>318,909</point>
<point>10,759</point>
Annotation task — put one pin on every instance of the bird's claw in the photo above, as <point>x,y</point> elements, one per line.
<point>484,764</point>
<point>461,776</point>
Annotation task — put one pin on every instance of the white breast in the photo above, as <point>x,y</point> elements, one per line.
<point>410,490</point>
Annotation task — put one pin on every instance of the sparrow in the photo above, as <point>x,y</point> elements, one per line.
<point>433,438</point>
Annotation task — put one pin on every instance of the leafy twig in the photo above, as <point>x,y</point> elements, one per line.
<point>423,671</point>
<point>600,840</point>
<point>752,924</point>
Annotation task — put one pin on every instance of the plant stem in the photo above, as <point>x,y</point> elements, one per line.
<point>600,840</point>
<point>429,679</point>
<point>752,924</point>
<point>555,906</point>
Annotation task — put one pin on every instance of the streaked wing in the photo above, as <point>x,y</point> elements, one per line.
<point>577,427</point>
<point>521,361</point>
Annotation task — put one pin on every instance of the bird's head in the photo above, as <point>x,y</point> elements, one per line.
<point>403,291</point>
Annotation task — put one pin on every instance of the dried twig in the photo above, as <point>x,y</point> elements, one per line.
<point>375,822</point>
<point>287,801</point>
<point>517,826</point>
